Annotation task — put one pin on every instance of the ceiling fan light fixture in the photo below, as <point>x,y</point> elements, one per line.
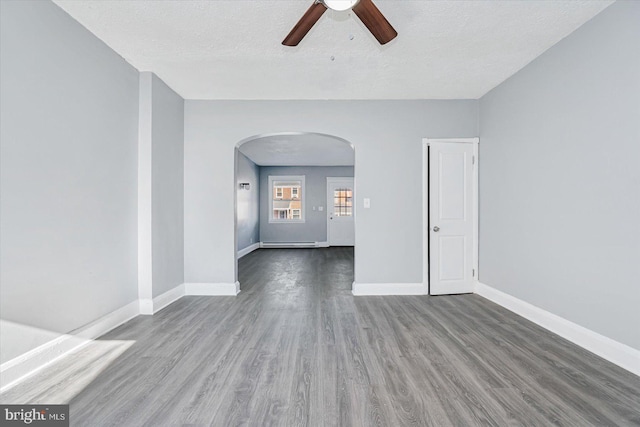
<point>340,5</point>
<point>365,10</point>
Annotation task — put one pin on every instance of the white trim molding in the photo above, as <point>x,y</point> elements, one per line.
<point>212,289</point>
<point>615,352</point>
<point>248,250</point>
<point>362,289</point>
<point>152,306</point>
<point>15,370</point>
<point>474,140</point>
<point>169,297</point>
<point>145,306</point>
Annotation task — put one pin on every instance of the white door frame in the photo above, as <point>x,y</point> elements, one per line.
<point>333,179</point>
<point>425,204</point>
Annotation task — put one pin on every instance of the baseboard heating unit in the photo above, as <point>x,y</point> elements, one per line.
<point>290,245</point>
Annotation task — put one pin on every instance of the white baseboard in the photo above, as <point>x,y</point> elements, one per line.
<point>172,295</point>
<point>146,306</point>
<point>14,370</point>
<point>323,244</point>
<point>361,289</point>
<point>212,289</point>
<point>152,306</point>
<point>248,250</point>
<point>615,352</point>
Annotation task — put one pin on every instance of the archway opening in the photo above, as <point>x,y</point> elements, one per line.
<point>294,190</point>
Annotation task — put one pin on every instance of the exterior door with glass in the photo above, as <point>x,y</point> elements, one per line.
<point>340,212</point>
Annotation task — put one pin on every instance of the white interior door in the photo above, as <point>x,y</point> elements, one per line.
<point>340,212</point>
<point>451,217</point>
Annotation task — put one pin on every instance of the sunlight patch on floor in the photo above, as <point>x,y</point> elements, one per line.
<point>63,380</point>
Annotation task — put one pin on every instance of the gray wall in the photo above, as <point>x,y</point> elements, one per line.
<point>167,187</point>
<point>248,202</point>
<point>68,176</point>
<point>314,229</point>
<point>560,180</point>
<point>387,136</point>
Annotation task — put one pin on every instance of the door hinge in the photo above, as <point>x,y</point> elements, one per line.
<point>473,272</point>
<point>473,160</point>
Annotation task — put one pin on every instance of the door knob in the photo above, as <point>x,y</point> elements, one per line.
<point>436,229</point>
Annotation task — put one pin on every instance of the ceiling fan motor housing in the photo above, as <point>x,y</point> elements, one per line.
<point>340,5</point>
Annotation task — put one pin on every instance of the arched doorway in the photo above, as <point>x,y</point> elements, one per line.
<point>285,187</point>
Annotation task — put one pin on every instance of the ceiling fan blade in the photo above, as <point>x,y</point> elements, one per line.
<point>375,21</point>
<point>305,23</point>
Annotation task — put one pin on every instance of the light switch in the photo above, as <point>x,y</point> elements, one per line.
<point>367,203</point>
<point>320,208</point>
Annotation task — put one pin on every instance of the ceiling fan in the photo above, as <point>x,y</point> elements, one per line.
<point>368,13</point>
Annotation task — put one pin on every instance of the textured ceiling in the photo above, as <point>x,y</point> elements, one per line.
<point>299,149</point>
<point>230,49</point>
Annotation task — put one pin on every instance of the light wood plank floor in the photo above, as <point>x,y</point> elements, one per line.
<point>296,348</point>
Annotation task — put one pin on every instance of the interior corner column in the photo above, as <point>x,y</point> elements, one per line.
<point>145,284</point>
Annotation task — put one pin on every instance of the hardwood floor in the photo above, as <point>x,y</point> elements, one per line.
<point>296,348</point>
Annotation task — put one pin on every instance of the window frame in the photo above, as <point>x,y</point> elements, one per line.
<point>302,198</point>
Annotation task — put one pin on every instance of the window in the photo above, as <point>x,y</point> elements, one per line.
<point>342,202</point>
<point>286,199</point>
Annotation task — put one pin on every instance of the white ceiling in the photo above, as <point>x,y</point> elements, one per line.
<point>230,49</point>
<point>299,149</point>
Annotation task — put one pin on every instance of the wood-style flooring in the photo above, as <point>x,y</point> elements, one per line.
<point>296,348</point>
